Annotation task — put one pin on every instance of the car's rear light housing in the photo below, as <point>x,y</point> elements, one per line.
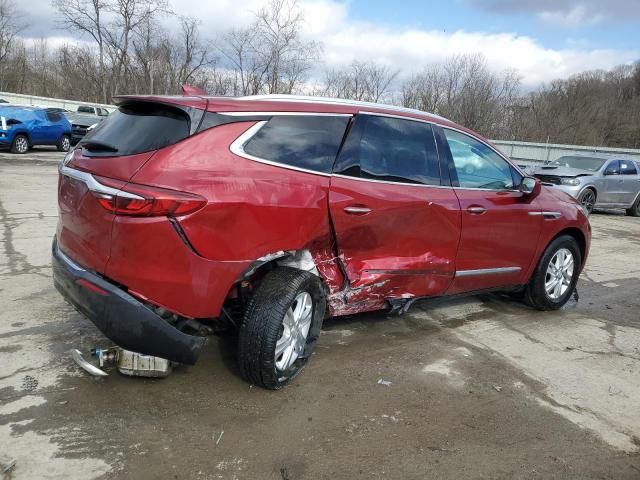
<point>122,198</point>
<point>145,201</point>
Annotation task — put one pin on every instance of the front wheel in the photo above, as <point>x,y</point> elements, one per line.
<point>280,327</point>
<point>588,200</point>
<point>64,144</point>
<point>20,144</point>
<point>556,275</point>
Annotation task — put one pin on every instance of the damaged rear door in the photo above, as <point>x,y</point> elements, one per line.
<point>397,225</point>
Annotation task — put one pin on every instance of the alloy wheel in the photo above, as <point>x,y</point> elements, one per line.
<point>588,200</point>
<point>22,145</point>
<point>295,328</point>
<point>66,144</point>
<point>559,274</point>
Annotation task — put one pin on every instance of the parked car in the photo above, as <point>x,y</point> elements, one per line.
<point>596,181</point>
<point>80,124</point>
<point>180,215</point>
<point>23,127</point>
<point>90,109</point>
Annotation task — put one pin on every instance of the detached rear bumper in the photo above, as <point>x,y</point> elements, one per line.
<point>119,316</point>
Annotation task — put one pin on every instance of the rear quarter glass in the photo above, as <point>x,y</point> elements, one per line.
<point>307,142</point>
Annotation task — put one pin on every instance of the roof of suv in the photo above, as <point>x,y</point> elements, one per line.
<point>289,103</point>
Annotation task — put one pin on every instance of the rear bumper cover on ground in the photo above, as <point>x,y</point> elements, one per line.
<point>119,316</point>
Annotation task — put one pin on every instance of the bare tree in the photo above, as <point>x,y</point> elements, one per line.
<point>269,56</point>
<point>10,26</point>
<point>87,17</point>
<point>465,90</point>
<point>364,81</point>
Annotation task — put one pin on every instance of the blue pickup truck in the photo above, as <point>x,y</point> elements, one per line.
<point>23,127</point>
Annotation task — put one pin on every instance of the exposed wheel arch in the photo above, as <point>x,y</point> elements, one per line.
<point>250,279</point>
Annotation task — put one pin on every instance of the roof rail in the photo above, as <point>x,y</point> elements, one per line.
<point>338,101</point>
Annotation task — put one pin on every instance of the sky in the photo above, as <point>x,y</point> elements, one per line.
<point>541,39</point>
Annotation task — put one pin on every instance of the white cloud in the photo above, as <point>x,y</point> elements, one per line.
<point>407,49</point>
<point>566,13</point>
<point>578,16</point>
<point>411,49</point>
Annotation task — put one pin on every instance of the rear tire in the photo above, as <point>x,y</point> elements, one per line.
<point>64,144</point>
<point>555,277</point>
<point>270,322</point>
<point>20,144</point>
<point>634,211</point>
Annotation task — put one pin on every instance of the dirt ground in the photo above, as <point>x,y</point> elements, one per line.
<point>481,387</point>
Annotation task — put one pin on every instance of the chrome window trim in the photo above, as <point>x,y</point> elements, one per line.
<point>237,148</point>
<point>93,184</point>
<point>388,182</point>
<point>486,271</point>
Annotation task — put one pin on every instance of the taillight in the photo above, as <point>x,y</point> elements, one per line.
<point>145,201</point>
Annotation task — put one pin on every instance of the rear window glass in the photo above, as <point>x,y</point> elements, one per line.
<point>307,142</point>
<point>137,128</point>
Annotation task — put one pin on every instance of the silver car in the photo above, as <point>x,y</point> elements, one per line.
<point>596,181</point>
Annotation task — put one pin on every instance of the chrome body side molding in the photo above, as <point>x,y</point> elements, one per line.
<point>487,271</point>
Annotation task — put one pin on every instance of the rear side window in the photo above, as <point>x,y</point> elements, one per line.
<point>137,128</point>
<point>53,116</point>
<point>299,141</point>
<point>627,167</point>
<point>392,150</point>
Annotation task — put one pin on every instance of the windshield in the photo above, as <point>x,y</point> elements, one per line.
<point>582,163</point>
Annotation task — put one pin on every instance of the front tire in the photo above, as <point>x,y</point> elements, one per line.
<point>555,277</point>
<point>64,144</point>
<point>634,211</point>
<point>20,144</point>
<point>588,200</point>
<point>280,327</point>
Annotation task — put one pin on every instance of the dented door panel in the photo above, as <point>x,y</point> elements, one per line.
<point>404,247</point>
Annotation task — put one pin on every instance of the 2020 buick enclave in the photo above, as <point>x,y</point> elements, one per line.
<point>270,213</point>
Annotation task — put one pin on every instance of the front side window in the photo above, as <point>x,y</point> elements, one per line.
<point>613,168</point>
<point>476,164</point>
<point>627,167</point>
<point>301,141</point>
<point>392,150</point>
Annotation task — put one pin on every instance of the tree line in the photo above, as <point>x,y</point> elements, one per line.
<point>127,49</point>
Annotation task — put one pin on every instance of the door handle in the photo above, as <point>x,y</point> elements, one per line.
<point>357,210</point>
<point>476,210</point>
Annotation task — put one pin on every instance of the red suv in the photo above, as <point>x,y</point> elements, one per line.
<point>181,215</point>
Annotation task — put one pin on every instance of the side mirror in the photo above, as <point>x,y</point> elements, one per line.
<point>610,171</point>
<point>528,185</point>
